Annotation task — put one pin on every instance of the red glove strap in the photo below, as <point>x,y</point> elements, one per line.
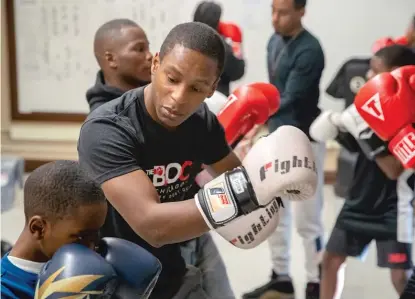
<point>403,146</point>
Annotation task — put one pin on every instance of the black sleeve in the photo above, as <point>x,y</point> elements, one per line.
<point>215,146</point>
<point>107,149</point>
<point>347,141</point>
<point>337,87</point>
<point>234,67</point>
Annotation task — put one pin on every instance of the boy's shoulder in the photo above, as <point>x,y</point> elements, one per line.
<point>15,282</point>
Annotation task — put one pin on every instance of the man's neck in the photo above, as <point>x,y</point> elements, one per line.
<point>293,32</point>
<point>25,248</point>
<point>297,30</point>
<point>117,83</point>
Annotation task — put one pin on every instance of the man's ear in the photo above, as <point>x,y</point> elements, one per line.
<point>155,63</point>
<point>302,12</point>
<point>111,59</point>
<point>214,87</point>
<point>37,227</point>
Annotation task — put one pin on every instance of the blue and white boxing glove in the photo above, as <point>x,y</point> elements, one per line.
<point>118,269</point>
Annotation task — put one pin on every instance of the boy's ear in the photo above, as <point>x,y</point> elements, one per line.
<point>37,227</point>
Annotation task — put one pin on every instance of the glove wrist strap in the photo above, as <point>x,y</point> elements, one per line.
<point>226,197</point>
<point>242,190</point>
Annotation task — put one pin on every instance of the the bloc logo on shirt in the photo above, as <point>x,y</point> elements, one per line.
<point>172,180</point>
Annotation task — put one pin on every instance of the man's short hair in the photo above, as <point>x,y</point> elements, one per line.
<point>57,188</point>
<point>209,13</point>
<point>108,31</point>
<point>112,27</point>
<point>396,56</point>
<point>198,37</point>
<point>298,4</point>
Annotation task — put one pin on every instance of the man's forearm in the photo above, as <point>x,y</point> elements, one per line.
<point>174,222</point>
<point>390,166</point>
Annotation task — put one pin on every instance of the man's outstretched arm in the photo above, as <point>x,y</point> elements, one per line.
<point>135,198</point>
<point>110,152</point>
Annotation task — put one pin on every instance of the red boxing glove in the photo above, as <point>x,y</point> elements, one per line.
<point>387,101</point>
<point>387,104</point>
<point>382,43</point>
<point>247,106</point>
<point>388,41</point>
<point>233,36</point>
<point>402,40</point>
<point>403,146</point>
<point>272,94</point>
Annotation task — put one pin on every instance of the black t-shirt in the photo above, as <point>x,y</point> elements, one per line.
<point>371,205</point>
<point>120,137</point>
<point>349,79</point>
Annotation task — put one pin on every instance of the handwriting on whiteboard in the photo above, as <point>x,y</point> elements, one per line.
<point>54,44</point>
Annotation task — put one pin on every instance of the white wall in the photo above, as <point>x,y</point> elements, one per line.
<point>348,28</point>
<point>345,29</point>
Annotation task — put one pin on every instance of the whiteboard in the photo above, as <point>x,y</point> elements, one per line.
<point>54,39</point>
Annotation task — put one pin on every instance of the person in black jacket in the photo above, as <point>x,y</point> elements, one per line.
<point>122,51</point>
<point>209,12</point>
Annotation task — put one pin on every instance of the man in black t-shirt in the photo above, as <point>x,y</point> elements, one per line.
<point>147,147</point>
<point>122,52</point>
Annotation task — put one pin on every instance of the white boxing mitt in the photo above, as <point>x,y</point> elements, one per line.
<point>282,164</point>
<point>248,231</point>
<point>326,126</point>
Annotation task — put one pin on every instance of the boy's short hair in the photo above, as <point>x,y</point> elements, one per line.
<point>396,56</point>
<point>53,190</point>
